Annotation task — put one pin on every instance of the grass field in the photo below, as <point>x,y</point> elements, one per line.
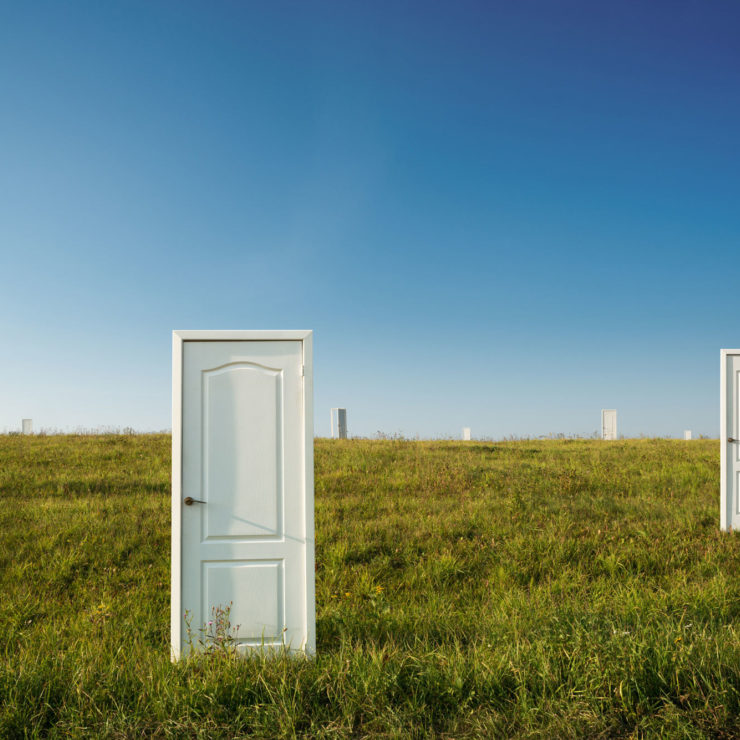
<point>516,589</point>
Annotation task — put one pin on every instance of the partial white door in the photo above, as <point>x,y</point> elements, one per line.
<point>243,502</point>
<point>609,424</point>
<point>729,436</point>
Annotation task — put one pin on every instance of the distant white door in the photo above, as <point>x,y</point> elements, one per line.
<point>243,487</point>
<point>608,424</point>
<point>729,444</point>
<point>339,423</point>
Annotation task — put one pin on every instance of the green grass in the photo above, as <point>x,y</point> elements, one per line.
<point>517,589</point>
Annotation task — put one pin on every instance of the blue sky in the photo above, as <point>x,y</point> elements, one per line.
<point>502,215</point>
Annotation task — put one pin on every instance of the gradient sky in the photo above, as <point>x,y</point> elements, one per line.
<point>502,215</point>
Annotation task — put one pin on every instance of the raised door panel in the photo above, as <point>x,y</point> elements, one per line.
<point>243,451</point>
<point>257,616</point>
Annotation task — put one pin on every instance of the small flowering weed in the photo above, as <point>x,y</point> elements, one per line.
<point>216,636</point>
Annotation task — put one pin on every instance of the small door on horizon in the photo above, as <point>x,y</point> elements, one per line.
<point>609,424</point>
<point>339,423</point>
<point>242,489</point>
<point>729,515</point>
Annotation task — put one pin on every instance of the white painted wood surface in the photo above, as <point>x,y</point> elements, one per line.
<point>242,443</point>
<point>27,426</point>
<point>687,434</point>
<point>466,434</point>
<point>339,423</point>
<point>608,424</point>
<point>729,497</point>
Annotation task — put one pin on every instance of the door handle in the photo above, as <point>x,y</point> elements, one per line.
<point>732,439</point>
<point>189,501</point>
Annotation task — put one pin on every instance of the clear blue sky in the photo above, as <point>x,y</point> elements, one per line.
<point>502,215</point>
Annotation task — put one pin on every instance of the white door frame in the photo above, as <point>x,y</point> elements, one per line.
<point>178,339</point>
<point>725,431</point>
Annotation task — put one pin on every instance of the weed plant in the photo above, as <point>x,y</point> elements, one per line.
<point>556,588</point>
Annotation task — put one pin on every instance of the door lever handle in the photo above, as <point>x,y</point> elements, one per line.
<point>189,501</point>
<point>731,439</point>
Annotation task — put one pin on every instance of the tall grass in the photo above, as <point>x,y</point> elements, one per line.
<point>557,588</point>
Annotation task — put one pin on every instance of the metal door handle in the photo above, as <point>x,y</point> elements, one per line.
<point>731,439</point>
<point>189,501</point>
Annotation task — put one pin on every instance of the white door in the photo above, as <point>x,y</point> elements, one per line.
<point>729,434</point>
<point>243,488</point>
<point>608,424</point>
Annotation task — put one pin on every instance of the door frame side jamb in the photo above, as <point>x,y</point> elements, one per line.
<point>176,535</point>
<point>308,482</point>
